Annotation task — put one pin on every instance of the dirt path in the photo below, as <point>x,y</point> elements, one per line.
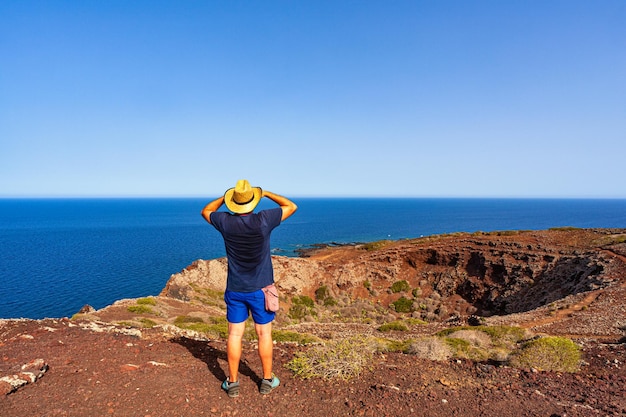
<point>559,315</point>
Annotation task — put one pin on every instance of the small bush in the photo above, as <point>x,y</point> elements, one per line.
<point>330,302</point>
<point>473,337</point>
<point>470,344</point>
<point>191,323</point>
<point>367,285</point>
<point>337,359</point>
<point>483,342</point>
<point>302,307</point>
<point>508,335</point>
<point>462,348</point>
<point>549,354</point>
<point>394,325</point>
<point>304,300</point>
<point>388,345</point>
<point>218,326</point>
<point>294,337</point>
<point>140,309</point>
<point>432,348</point>
<point>185,320</point>
<point>371,246</point>
<point>400,286</point>
<point>208,296</point>
<point>147,301</point>
<point>505,337</point>
<point>403,305</point>
<point>147,323</point>
<point>322,293</point>
<point>324,296</point>
<point>298,312</point>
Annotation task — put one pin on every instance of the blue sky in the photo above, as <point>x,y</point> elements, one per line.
<point>313,98</point>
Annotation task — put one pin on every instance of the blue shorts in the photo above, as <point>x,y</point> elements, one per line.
<point>239,305</point>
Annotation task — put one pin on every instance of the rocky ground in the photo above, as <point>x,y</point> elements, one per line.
<point>130,360</point>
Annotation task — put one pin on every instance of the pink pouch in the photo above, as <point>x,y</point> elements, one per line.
<point>271,298</point>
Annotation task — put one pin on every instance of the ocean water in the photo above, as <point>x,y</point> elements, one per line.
<point>57,255</point>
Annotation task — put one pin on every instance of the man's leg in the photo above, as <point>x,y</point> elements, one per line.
<point>266,346</point>
<point>233,349</point>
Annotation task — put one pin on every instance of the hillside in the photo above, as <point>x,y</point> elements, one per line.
<point>165,355</point>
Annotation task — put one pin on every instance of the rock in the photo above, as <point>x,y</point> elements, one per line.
<point>86,309</point>
<point>6,387</point>
<point>29,373</point>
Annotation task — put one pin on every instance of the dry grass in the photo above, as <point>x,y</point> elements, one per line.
<point>431,348</point>
<point>337,359</point>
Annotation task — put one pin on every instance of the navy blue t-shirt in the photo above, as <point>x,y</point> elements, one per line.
<point>247,241</point>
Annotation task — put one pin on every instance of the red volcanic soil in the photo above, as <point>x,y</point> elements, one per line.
<point>94,373</point>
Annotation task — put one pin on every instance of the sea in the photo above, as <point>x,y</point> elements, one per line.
<point>57,255</point>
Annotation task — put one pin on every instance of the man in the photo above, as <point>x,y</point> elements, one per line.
<point>247,239</point>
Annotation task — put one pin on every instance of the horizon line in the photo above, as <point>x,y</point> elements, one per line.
<point>328,196</point>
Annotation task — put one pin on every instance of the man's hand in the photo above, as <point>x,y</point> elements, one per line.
<point>288,206</point>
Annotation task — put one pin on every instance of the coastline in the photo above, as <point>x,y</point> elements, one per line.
<point>98,251</point>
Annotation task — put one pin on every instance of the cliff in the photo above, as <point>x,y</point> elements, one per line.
<point>514,277</point>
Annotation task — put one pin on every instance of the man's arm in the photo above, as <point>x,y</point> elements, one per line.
<point>211,207</point>
<point>288,206</point>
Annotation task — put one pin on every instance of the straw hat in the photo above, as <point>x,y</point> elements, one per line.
<point>242,198</point>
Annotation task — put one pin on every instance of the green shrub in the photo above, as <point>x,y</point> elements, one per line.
<point>371,246</point>
<point>294,337</point>
<point>140,309</point>
<point>217,326</point>
<point>483,342</point>
<point>302,306</point>
<point>191,323</point>
<point>322,293</point>
<point>495,332</point>
<point>470,344</point>
<point>330,302</point>
<point>505,337</point>
<point>611,240</point>
<point>549,354</point>
<point>462,348</point>
<point>389,345</point>
<point>298,311</point>
<point>403,305</point>
<point>209,296</point>
<point>323,296</point>
<point>147,323</point>
<point>304,300</point>
<point>393,325</point>
<point>367,285</point>
<point>400,286</point>
<point>413,321</point>
<point>338,359</point>
<point>147,301</point>
<point>185,320</point>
